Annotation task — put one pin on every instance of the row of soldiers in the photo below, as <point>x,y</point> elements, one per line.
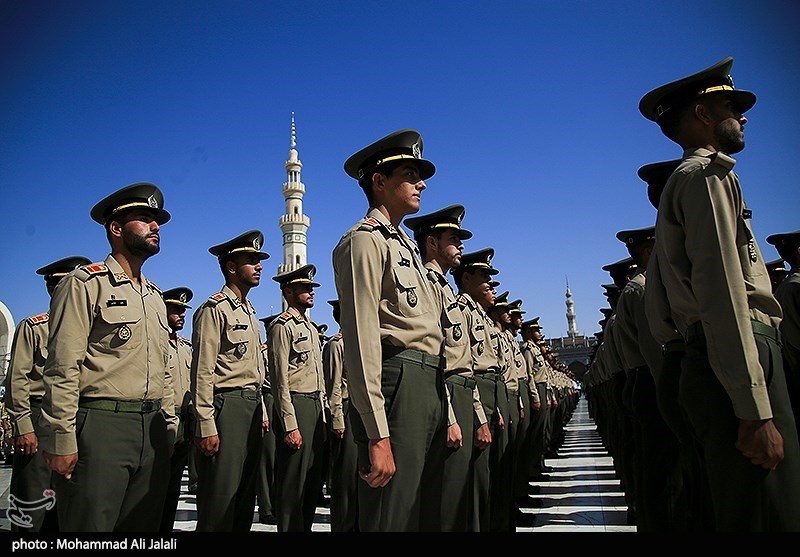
<point>109,403</point>
<point>695,385</point>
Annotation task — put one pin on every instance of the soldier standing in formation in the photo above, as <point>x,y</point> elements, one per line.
<point>30,476</point>
<point>179,370</point>
<point>265,494</point>
<point>105,378</point>
<point>227,374</point>
<point>709,269</point>
<point>298,385</point>
<point>391,327</point>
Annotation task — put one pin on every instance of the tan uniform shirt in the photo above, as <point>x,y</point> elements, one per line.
<point>295,362</point>
<point>385,298</point>
<point>638,347</point>
<point>24,375</point>
<point>516,363</point>
<point>335,379</point>
<point>180,370</point>
<point>109,339</point>
<point>788,294</point>
<point>656,303</point>
<point>612,363</point>
<point>480,327</point>
<point>713,273</point>
<point>457,352</point>
<point>226,354</point>
<point>535,363</point>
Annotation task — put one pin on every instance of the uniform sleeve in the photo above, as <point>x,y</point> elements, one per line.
<point>206,338</point>
<point>630,354</point>
<point>18,379</point>
<point>71,318</point>
<point>168,403</point>
<point>709,203</point>
<point>656,303</point>
<point>333,364</point>
<point>280,343</point>
<point>530,362</point>
<point>358,264</point>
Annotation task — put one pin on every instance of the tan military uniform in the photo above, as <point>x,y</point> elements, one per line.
<point>227,374</point>
<point>335,379</point>
<point>227,355</point>
<point>30,475</point>
<point>390,319</point>
<point>105,380</point>
<point>180,369</point>
<point>788,294</point>
<point>382,288</point>
<point>721,301</point>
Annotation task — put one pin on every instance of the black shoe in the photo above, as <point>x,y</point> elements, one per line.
<point>529,502</point>
<point>192,488</point>
<point>534,489</point>
<point>524,519</point>
<point>267,519</point>
<point>545,469</point>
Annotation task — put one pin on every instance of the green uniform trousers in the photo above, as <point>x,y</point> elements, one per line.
<point>180,459</point>
<point>414,393</point>
<point>226,481</point>
<point>538,422</point>
<point>30,478</point>
<point>500,467</point>
<point>265,494</point>
<point>524,446</point>
<point>299,472</point>
<point>746,497</point>
<point>120,481</point>
<point>344,477</point>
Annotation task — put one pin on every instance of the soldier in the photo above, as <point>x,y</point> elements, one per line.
<point>788,295</point>
<point>777,272</point>
<point>265,495</point>
<point>440,237</point>
<point>30,476</point>
<point>390,318</point>
<point>227,375</point>
<point>298,386</point>
<point>473,278</point>
<point>344,453</point>
<point>179,369</point>
<point>105,379</point>
<point>531,334</point>
<point>501,457</point>
<point>733,387</point>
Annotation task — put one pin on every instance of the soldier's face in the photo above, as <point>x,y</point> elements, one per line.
<point>477,285</point>
<point>516,322</point>
<point>176,315</point>
<point>449,248</point>
<point>301,295</point>
<point>729,127</point>
<point>505,318</point>
<point>402,190</point>
<point>140,233</point>
<point>247,269</point>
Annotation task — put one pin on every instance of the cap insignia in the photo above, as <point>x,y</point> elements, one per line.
<point>151,201</point>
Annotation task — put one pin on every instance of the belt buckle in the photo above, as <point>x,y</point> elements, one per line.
<point>148,405</point>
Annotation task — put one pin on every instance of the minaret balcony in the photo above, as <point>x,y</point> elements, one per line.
<point>293,187</point>
<point>295,219</point>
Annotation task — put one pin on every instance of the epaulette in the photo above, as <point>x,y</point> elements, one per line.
<point>723,160</point>
<point>462,299</point>
<point>185,341</point>
<point>217,298</point>
<point>154,286</point>
<point>39,319</point>
<point>337,336</point>
<point>263,347</point>
<point>370,224</point>
<point>88,271</point>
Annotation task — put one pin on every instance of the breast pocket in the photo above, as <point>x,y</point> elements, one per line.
<point>301,352</point>
<point>238,341</point>
<point>453,325</point>
<point>408,291</point>
<point>752,264</point>
<point>119,327</point>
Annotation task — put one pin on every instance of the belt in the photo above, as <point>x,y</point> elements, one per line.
<point>411,355</point>
<point>695,331</point>
<point>238,391</point>
<point>674,346</point>
<point>468,382</point>
<point>315,395</point>
<point>488,374</point>
<point>133,406</point>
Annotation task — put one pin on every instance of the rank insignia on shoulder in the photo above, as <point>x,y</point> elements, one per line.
<point>263,347</point>
<point>95,269</point>
<point>218,296</point>
<point>37,319</point>
<point>116,303</point>
<point>337,336</point>
<point>120,276</point>
<point>286,315</point>
<point>240,327</point>
<point>371,221</point>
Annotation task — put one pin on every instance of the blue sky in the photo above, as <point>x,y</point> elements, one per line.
<point>527,108</point>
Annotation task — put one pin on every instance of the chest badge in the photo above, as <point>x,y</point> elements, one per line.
<point>457,331</point>
<point>480,347</point>
<point>751,248</point>
<point>241,349</point>
<point>124,333</point>
<point>412,297</point>
<point>303,357</point>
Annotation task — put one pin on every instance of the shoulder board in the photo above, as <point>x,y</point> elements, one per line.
<point>38,319</point>
<point>337,336</point>
<point>462,299</point>
<point>216,298</point>
<point>263,347</point>
<point>185,341</point>
<point>154,286</point>
<point>723,160</point>
<point>88,271</point>
<point>282,318</point>
<point>370,224</point>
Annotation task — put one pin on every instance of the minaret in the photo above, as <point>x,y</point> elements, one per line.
<point>294,224</point>
<point>572,327</point>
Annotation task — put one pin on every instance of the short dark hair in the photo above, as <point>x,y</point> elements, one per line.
<point>365,181</point>
<point>423,236</point>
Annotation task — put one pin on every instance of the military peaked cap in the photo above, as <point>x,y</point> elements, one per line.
<point>180,296</point>
<point>443,219</point>
<point>301,275</point>
<point>249,242</point>
<point>398,146</point>
<point>142,195</point>
<point>656,175</point>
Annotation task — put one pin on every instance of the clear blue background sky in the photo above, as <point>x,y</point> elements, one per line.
<point>528,109</point>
